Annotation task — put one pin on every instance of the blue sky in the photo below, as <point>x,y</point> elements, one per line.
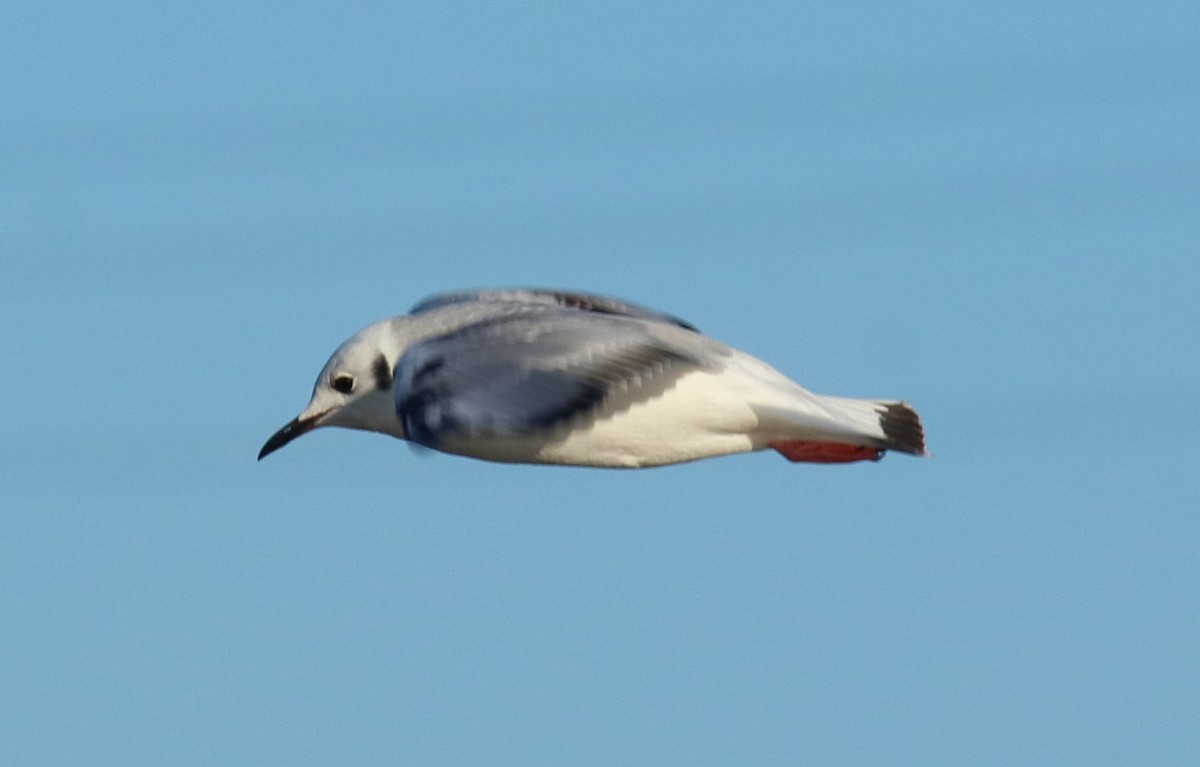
<point>991,212</point>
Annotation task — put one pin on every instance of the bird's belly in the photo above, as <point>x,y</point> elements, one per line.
<point>698,417</point>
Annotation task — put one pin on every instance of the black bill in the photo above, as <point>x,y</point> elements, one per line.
<point>294,428</point>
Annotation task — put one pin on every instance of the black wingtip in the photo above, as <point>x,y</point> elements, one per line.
<point>902,428</point>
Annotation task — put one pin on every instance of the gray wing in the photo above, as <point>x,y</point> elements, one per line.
<point>526,373</point>
<point>587,302</point>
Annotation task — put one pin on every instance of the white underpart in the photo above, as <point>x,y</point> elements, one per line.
<point>744,406</point>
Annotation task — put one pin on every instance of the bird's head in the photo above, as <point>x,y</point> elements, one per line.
<point>354,390</point>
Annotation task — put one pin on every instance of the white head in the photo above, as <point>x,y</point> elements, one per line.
<point>354,389</point>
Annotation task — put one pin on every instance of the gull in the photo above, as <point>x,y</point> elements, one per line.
<point>553,377</point>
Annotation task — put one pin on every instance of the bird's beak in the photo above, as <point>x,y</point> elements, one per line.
<point>301,424</point>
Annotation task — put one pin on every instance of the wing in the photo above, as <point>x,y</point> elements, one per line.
<point>543,297</point>
<point>526,373</point>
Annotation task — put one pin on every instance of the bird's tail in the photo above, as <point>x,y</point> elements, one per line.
<point>843,430</point>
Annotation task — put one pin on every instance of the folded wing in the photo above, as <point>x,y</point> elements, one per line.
<point>525,373</point>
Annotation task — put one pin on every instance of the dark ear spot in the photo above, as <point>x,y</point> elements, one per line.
<point>382,372</point>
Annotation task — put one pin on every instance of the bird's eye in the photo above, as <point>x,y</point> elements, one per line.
<point>343,383</point>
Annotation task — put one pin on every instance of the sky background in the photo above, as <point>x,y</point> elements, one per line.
<point>992,212</point>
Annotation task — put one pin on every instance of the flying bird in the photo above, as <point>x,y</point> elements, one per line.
<point>546,376</point>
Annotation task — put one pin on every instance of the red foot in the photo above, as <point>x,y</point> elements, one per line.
<point>825,452</point>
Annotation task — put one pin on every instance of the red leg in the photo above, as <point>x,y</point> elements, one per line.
<point>825,452</point>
